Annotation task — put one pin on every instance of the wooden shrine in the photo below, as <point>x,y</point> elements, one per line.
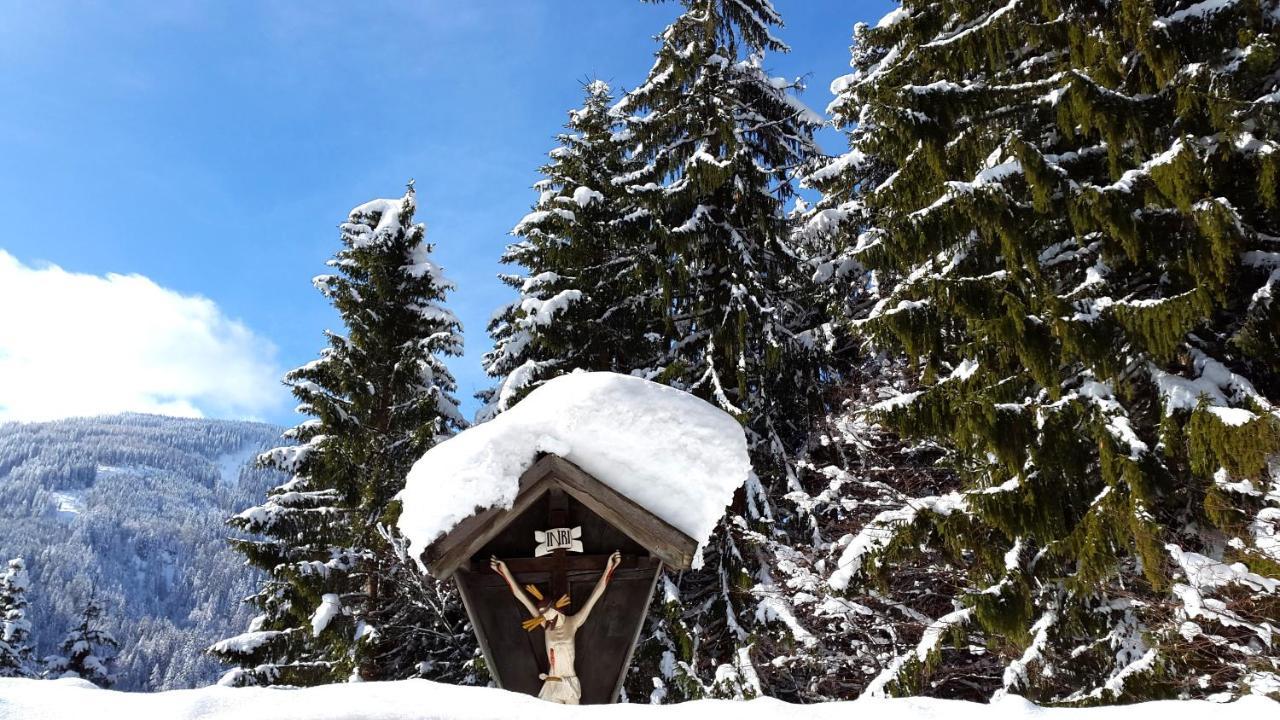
<point>557,537</point>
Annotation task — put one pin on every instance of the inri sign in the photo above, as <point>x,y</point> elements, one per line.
<point>558,539</point>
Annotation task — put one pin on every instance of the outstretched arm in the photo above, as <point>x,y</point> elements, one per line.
<point>501,568</point>
<point>614,560</point>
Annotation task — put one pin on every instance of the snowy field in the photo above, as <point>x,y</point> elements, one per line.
<point>424,700</point>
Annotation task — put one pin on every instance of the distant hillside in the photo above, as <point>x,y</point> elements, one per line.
<point>133,505</point>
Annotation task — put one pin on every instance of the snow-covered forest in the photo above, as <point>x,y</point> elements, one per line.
<point>131,510</point>
<point>1005,365</point>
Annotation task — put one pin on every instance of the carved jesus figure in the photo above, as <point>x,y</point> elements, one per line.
<point>560,682</point>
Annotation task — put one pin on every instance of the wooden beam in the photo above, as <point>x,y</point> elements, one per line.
<point>573,563</point>
<point>558,517</point>
<point>676,549</point>
<point>631,649</point>
<point>445,555</point>
<point>528,570</point>
<point>660,538</point>
<point>479,631</point>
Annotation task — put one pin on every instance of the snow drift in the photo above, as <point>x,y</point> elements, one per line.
<point>424,700</point>
<point>667,450</point>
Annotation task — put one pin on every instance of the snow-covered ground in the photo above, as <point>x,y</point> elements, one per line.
<point>230,464</point>
<point>423,700</point>
<point>69,504</point>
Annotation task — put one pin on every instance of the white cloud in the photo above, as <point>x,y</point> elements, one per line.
<point>73,344</point>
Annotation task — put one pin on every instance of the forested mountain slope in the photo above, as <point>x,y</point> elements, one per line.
<point>132,507</point>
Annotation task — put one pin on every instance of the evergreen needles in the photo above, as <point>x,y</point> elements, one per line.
<point>1068,210</point>
<point>341,600</point>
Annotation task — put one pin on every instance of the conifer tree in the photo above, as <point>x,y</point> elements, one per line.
<point>850,630</point>
<point>583,302</point>
<point>15,628</point>
<point>857,480</point>
<point>88,651</point>
<point>715,143</point>
<point>1070,213</point>
<point>379,397</point>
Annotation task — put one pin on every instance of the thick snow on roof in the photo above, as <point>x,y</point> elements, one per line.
<point>423,700</point>
<point>674,454</point>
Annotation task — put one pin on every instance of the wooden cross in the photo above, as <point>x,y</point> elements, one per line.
<point>559,564</point>
<point>558,516</point>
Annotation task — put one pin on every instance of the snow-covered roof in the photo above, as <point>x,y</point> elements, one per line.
<point>670,452</point>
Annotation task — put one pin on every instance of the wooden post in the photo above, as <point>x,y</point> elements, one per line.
<point>558,516</point>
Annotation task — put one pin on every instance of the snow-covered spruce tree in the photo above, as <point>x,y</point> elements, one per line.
<point>583,302</point>
<point>1076,249</point>
<point>15,627</point>
<point>854,483</point>
<point>88,651</point>
<point>339,602</point>
<point>856,479</point>
<point>424,628</point>
<point>715,142</point>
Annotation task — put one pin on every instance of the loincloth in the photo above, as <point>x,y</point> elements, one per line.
<point>563,689</point>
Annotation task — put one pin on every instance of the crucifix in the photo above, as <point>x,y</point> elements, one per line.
<point>560,682</point>
<point>558,535</point>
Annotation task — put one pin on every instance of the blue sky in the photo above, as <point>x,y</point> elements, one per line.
<point>212,147</point>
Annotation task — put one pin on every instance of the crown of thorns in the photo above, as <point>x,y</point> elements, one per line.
<point>539,621</point>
